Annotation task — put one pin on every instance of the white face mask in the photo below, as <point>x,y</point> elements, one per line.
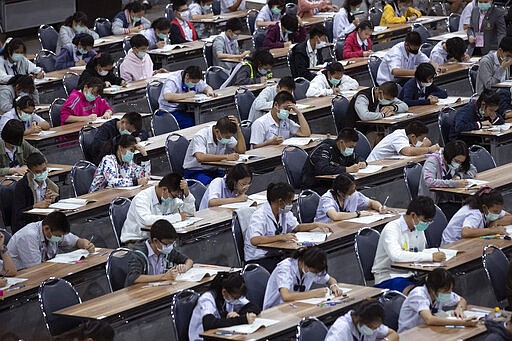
<point>426,85</point>
<point>103,73</point>
<point>419,143</point>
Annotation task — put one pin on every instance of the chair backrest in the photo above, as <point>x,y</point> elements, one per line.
<point>216,76</point>
<point>257,39</point>
<point>55,294</point>
<point>197,188</point>
<point>54,113</point>
<point>340,113</point>
<point>472,73</point>
<point>46,60</point>
<point>363,147</point>
<point>329,23</point>
<point>252,14</point>
<point>307,205</point>
<point>208,55</point>
<point>126,45</point>
<point>117,212</point>
<point>103,27</point>
<point>117,268</point>
<point>311,328</point>
<point>82,175</point>
<point>453,22</point>
<point>70,81</point>
<point>293,159</point>
<point>481,158</point>
<point>86,138</point>
<point>423,32</point>
<point>163,122</point>
<point>496,267</point>
<point>7,235</point>
<point>301,87</point>
<point>374,15</point>
<point>117,67</point>
<point>176,148</point>
<point>392,301</point>
<point>182,306</point>
<point>291,9</point>
<point>48,37</point>
<point>426,48</point>
<point>239,224</point>
<point>412,175</point>
<point>338,49</point>
<point>153,91</point>
<point>445,121</point>
<point>245,126</point>
<point>6,200</point>
<point>169,12</point>
<point>439,9</point>
<point>365,246</point>
<point>255,278</point>
<point>434,233</point>
<point>243,101</point>
<point>373,68</point>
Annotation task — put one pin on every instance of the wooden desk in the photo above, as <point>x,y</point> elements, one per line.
<point>352,67</point>
<point>446,36</point>
<point>108,41</point>
<point>217,19</point>
<point>499,142</point>
<point>316,19</point>
<point>398,31</point>
<point>133,91</point>
<point>62,172</point>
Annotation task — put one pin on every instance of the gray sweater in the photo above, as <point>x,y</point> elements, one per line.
<point>7,97</point>
<point>66,35</point>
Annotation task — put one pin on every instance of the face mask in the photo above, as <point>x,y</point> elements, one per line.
<point>82,51</point>
<point>286,209</point>
<point>492,216</point>
<point>262,71</point>
<point>335,81</point>
<point>421,226</point>
<point>364,330</point>
<point>234,37</point>
<point>40,177</point>
<point>54,239</point>
<point>288,31</point>
<point>166,249</point>
<point>90,97</point>
<point>206,8</point>
<point>454,165</point>
<point>419,143</point>
<point>414,51</point>
<point>185,15</point>
<point>124,132</point>
<point>190,85</point>
<point>426,85</point>
<point>348,151</point>
<point>135,19</point>
<point>166,201</point>
<point>103,73</point>
<point>224,141</point>
<point>283,114</point>
<point>79,29</point>
<point>25,117</point>
<point>141,54</point>
<point>127,156</point>
<point>355,10</point>
<point>161,36</point>
<point>484,6</point>
<point>275,11</point>
<point>321,44</point>
<point>443,298</point>
<point>16,57</point>
<point>23,93</point>
<point>385,102</point>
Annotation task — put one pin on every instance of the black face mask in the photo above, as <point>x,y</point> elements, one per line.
<point>414,51</point>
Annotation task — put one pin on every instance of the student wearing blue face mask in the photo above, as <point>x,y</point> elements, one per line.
<point>17,86</point>
<point>158,33</point>
<point>256,69</point>
<point>201,9</point>
<point>156,259</point>
<point>421,89</point>
<point>331,81</point>
<point>73,25</point>
<point>130,20</point>
<point>24,110</point>
<point>270,14</point>
<point>79,53</point>
<point>13,61</point>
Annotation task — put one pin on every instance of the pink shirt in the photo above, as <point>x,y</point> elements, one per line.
<point>77,105</point>
<point>133,68</point>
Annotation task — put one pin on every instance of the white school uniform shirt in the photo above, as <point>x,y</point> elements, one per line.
<point>287,275</point>
<point>145,209</point>
<point>313,58</point>
<point>356,202</point>
<point>438,54</point>
<point>465,216</point>
<point>390,145</point>
<point>174,84</point>
<point>465,17</point>
<point>266,15</point>
<point>344,329</point>
<point>226,4</point>
<point>217,189</point>
<point>12,115</point>
<point>419,300</point>
<point>320,86</point>
<point>266,128</point>
<point>394,244</point>
<point>398,58</point>
<point>263,103</point>
<point>263,223</point>
<point>40,189</point>
<point>341,26</point>
<point>203,142</point>
<point>151,37</point>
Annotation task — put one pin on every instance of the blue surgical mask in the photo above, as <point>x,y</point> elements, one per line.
<point>167,201</point>
<point>262,71</point>
<point>89,97</point>
<point>335,81</point>
<point>492,216</point>
<point>365,330</point>
<point>444,298</point>
<point>23,93</point>
<point>224,141</point>
<point>206,8</point>
<point>124,132</point>
<point>162,36</point>
<point>421,226</point>
<point>454,165</point>
<point>283,114</point>
<point>286,209</point>
<point>190,85</point>
<point>166,249</point>
<point>288,31</point>
<point>127,156</point>
<point>40,177</point>
<point>348,151</point>
<point>16,57</point>
<point>25,116</point>
<point>141,54</point>
<point>275,10</point>
<point>54,239</point>
<point>80,29</point>
<point>484,6</point>
<point>82,51</point>
<point>135,19</point>
<point>385,102</point>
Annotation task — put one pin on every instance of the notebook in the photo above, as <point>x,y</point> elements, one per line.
<point>196,274</point>
<point>184,223</point>
<point>12,281</point>
<point>299,141</point>
<point>71,257</point>
<point>311,237</point>
<point>448,252</point>
<point>69,204</point>
<point>250,328</point>
<point>371,218</point>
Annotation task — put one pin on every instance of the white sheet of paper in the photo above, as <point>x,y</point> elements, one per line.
<point>448,252</point>
<point>237,205</point>
<point>184,223</point>
<point>210,39</point>
<point>112,89</point>
<point>379,28</point>
<point>509,229</point>
<point>200,97</point>
<point>370,219</point>
<point>41,210</point>
<point>370,169</point>
<point>399,116</point>
<point>477,314</point>
<point>69,204</point>
<point>77,68</point>
<point>318,300</point>
<point>501,127</point>
<point>448,100</point>
<point>196,274</point>
<point>161,75</point>
<point>304,106</point>
<point>428,265</point>
<point>51,169</point>
<point>129,188</point>
<point>311,237</point>
<point>349,93</point>
<point>46,132</point>
<point>12,281</point>
<point>475,182</point>
<point>251,328</point>
<point>298,141</point>
<point>70,257</point>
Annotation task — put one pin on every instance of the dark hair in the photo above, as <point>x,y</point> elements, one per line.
<point>171,181</point>
<point>138,41</point>
<point>279,190</point>
<point>422,206</point>
<point>35,159</point>
<point>262,57</point>
<point>506,44</point>
<point>24,82</point>
<point>348,135</point>
<point>342,183</point>
<point>485,196</point>
<point>237,173</point>
<point>287,82</point>
<point>233,24</point>
<point>124,141</point>
<point>13,132</point>
<point>78,17</point>
<point>134,119</point>
<point>454,148</point>
<point>23,102</point>
<point>439,278</point>
<point>333,67</point>
<point>102,59</point>
<point>364,25</point>
<point>162,229</point>
<point>283,97</point>
<point>317,30</point>
<point>290,22</point>
<point>313,257</point>
<point>161,24</point>
<point>389,88</point>
<point>369,311</point>
<point>134,6</point>
<point>176,4</point>
<point>97,330</point>
<point>57,221</point>
<point>93,82</point>
<point>424,71</point>
<point>233,282</point>
<point>456,48</point>
<point>413,38</point>
<point>272,3</point>
<point>12,45</point>
<point>417,128</point>
<point>194,72</point>
<point>225,126</point>
<point>489,97</point>
<point>83,39</point>
<point>347,4</point>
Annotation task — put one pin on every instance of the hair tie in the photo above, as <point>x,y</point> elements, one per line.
<point>484,190</point>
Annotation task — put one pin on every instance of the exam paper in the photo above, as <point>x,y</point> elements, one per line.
<point>299,141</point>
<point>251,328</point>
<point>196,274</point>
<point>70,257</point>
<point>379,28</point>
<point>370,169</point>
<point>304,106</point>
<point>399,116</point>
<point>476,183</point>
<point>449,100</point>
<point>69,204</point>
<point>77,68</point>
<point>237,205</point>
<point>371,218</point>
<point>12,281</point>
<point>501,127</point>
<point>41,210</point>
<point>184,223</point>
<point>46,132</point>
<point>311,237</point>
<point>129,188</point>
<point>448,252</point>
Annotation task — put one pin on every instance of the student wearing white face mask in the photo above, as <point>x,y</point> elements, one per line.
<point>308,54</point>
<point>182,29</point>
<point>331,81</point>
<point>421,89</point>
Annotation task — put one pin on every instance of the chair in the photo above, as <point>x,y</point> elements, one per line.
<point>46,60</point>
<point>373,68</point>
<point>245,126</point>
<point>208,55</point>
<point>374,15</point>
<point>7,235</point>
<point>197,189</point>
<point>117,67</point>
<point>426,48</point>
<point>257,38</point>
<point>439,9</point>
<point>176,148</point>
<point>329,23</point>
<point>423,32</point>
<point>163,122</point>
<point>293,159</point>
<point>307,205</point>
<point>6,199</point>
<point>70,81</point>
<point>182,306</point>
<point>453,22</point>
<point>238,227</point>
<point>496,267</point>
<point>434,233</point>
<point>216,76</point>
<point>291,9</point>
<point>363,147</point>
<point>216,7</point>
<point>301,87</point>
<point>255,278</point>
<point>117,212</point>
<point>311,328</point>
<point>56,294</point>
<point>54,113</point>
<point>472,73</point>
<point>445,121</point>
<point>243,101</point>
<point>412,175</point>
<point>86,138</point>
<point>338,49</point>
<point>252,14</point>
<point>365,246</point>
<point>126,45</point>
<point>48,37</point>
<point>392,301</point>
<point>153,91</point>
<point>169,12</point>
<point>82,175</point>
<point>340,114</point>
<point>117,268</point>
<point>481,158</point>
<point>103,27</point>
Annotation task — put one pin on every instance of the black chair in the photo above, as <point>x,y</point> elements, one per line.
<point>328,23</point>
<point>70,81</point>
<point>117,212</point>
<point>257,39</point>
<point>472,73</point>
<point>445,122</point>
<point>48,37</point>
<point>176,148</point>
<point>255,278</point>
<point>434,233</point>
<point>374,15</point>
<point>208,55</point>
<point>54,113</point>
<point>365,246</point>
<point>216,76</point>
<point>82,175</point>
<point>153,91</point>
<point>338,49</point>
<point>252,14</point>
<point>481,158</point>
<point>301,87</point>
<point>412,175</point>
<point>169,12</point>
<point>117,268</point>
<point>453,22</point>
<point>126,45</point>
<point>197,188</point>
<point>340,114</point>
<point>7,235</point>
<point>373,68</point>
<point>293,159</point>
<point>496,267</point>
<point>46,60</point>
<point>423,32</point>
<point>86,138</point>
<point>243,102</point>
<point>363,147</point>
<point>392,301</point>
<point>426,48</point>
<point>238,232</point>
<point>216,7</point>
<point>245,126</point>
<point>182,306</point>
<point>307,204</point>
<point>103,27</point>
<point>163,122</point>
<point>117,67</point>
<point>6,199</point>
<point>291,9</point>
<point>311,328</point>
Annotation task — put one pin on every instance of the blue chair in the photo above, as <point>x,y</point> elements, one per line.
<point>392,301</point>
<point>55,109</point>
<point>82,175</point>
<point>176,149</point>
<point>412,175</point>
<point>197,188</point>
<point>311,328</point>
<point>163,122</point>
<point>252,14</point>
<point>373,68</point>
<point>496,267</point>
<point>48,37</point>
<point>243,102</point>
<point>153,91</point>
<point>363,147</point>
<point>301,87</point>
<point>293,159</point>
<point>103,27</point>
<point>365,246</point>
<point>182,306</point>
<point>434,233</point>
<point>117,212</point>
<point>307,204</point>
<point>255,278</point>
<point>481,158</point>
<point>117,268</point>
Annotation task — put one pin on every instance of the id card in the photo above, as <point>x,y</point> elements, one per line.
<point>479,39</point>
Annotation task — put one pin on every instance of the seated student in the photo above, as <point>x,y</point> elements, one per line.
<point>17,86</point>
<point>14,149</point>
<point>156,259</point>
<point>264,102</point>
<point>76,54</point>
<point>307,8</point>
<point>344,202</point>
<point>137,64</point>
<point>130,20</point>
<point>399,12</point>
<point>286,32</point>
<point>225,45</point>
<point>359,43</point>
<point>34,190</point>
<point>308,54</point>
<point>411,141</point>
<point>180,85</point>
<point>228,6</point>
<point>13,61</point>
<point>256,69</point>
<point>273,222</point>
<point>276,126</point>
<point>210,144</point>
<point>293,277</point>
<point>486,28</point>
<point>85,104</point>
<point>24,108</point>
<point>494,66</point>
<point>401,60</point>
<point>100,66</point>
<point>345,22</point>
<point>7,267</point>
<point>481,215</point>
<point>40,241</point>
<point>270,14</point>
<point>365,322</point>
<point>170,200</point>
<point>72,26</point>
<point>182,29</point>
<point>403,240</point>
<point>451,50</point>
<point>424,303</point>
<point>231,188</point>
<point>331,81</point>
<point>118,169</point>
<point>224,305</point>
<point>201,9</point>
<point>158,33</point>
<point>421,89</point>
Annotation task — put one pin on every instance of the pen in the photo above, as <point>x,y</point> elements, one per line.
<point>16,287</point>
<point>385,201</point>
<point>455,327</point>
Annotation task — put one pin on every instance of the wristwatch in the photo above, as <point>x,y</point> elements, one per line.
<point>358,213</point>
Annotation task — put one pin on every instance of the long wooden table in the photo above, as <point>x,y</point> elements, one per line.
<point>398,31</point>
<point>59,170</point>
<point>446,36</point>
<point>499,142</point>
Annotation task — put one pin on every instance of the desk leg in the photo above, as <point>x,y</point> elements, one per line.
<point>197,114</point>
<point>494,151</point>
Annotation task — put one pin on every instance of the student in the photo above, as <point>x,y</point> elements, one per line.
<point>399,12</point>
<point>34,190</point>
<point>331,81</point>
<point>359,43</point>
<point>286,32</point>
<point>118,168</point>
<point>7,267</point>
<point>14,149</point>
<point>156,259</point>
<point>228,6</point>
<point>182,29</point>
<point>130,20</point>
<point>256,69</point>
<point>264,102</point>
<point>308,54</point>
<point>137,64</point>
<point>180,85</point>
<point>365,322</point>
<point>424,303</point>
<point>481,215</point>
<point>100,66</point>
<point>402,59</point>
<point>270,14</point>
<point>72,26</point>
<point>232,188</point>
<point>13,61</point>
<point>201,9</point>
<point>24,110</point>
<point>494,66</point>
<point>345,21</point>
<point>170,200</point>
<point>17,86</point>
<point>224,305</point>
<point>225,45</point>
<point>274,222</point>
<point>43,240</point>
<point>411,141</point>
<point>210,144</point>
<point>292,278</point>
<point>332,157</point>
<point>486,28</point>
<point>465,17</point>
<point>403,240</point>
<point>451,50</point>
<point>158,33</point>
<point>76,54</point>
<point>421,89</point>
<point>85,104</point>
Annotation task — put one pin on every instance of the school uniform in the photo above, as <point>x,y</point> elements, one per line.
<point>22,67</point>
<point>122,23</point>
<point>414,94</point>
<point>275,37</point>
<point>398,58</point>
<point>182,31</point>
<point>490,72</point>
<point>243,73</point>
<point>355,202</point>
<point>196,9</point>
<point>468,118</point>
<point>303,58</point>
<point>344,329</point>
<point>266,128</point>
<point>91,72</point>
<point>16,158</point>
<point>217,189</point>
<point>342,24</point>
<point>77,105</point>
<point>465,17</point>
<point>355,47</point>
<point>8,95</point>
<point>266,15</point>
<point>223,45</point>
<point>438,54</point>
<point>13,115</point>
<point>69,55</point>
<point>365,106</point>
<point>151,37</point>
<point>320,85</point>
<point>389,146</point>
<point>488,28</point>
<point>111,173</point>
<point>263,103</point>
<point>226,4</point>
<point>134,69</point>
<point>392,15</point>
<point>67,33</point>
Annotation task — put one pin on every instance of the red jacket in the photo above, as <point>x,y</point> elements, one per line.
<point>273,37</point>
<point>177,34</point>
<point>352,48</point>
